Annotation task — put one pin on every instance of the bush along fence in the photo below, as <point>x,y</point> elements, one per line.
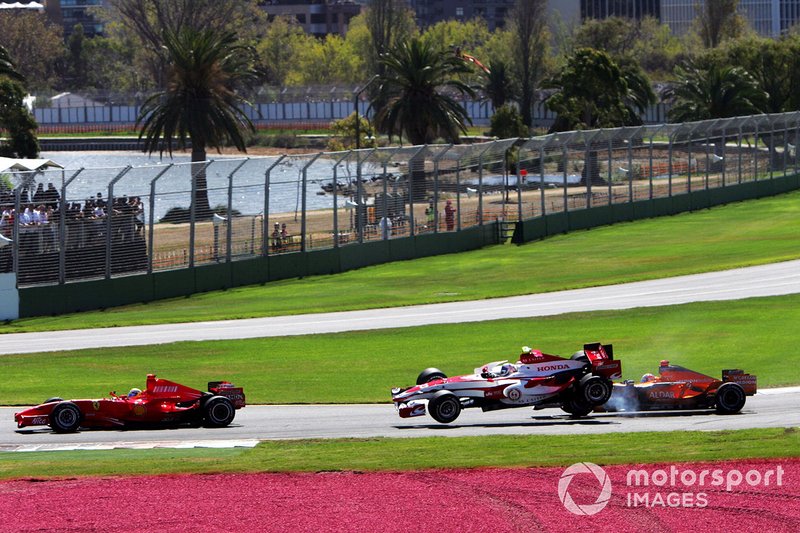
<point>91,238</point>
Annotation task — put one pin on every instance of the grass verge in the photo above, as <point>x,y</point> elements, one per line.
<point>758,335</point>
<point>736,235</point>
<point>414,454</point>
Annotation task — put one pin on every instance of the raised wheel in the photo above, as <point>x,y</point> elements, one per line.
<point>444,407</point>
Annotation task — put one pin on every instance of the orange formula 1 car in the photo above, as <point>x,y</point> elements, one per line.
<point>677,387</point>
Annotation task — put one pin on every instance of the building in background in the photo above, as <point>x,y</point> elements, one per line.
<point>317,17</point>
<point>635,9</point>
<point>769,18</point>
<point>429,12</point>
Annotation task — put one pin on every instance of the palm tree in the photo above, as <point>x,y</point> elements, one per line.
<point>200,103</point>
<point>415,87</point>
<point>498,85</point>
<point>719,91</point>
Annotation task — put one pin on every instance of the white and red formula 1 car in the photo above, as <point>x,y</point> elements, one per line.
<point>539,380</point>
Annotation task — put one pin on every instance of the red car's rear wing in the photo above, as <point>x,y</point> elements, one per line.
<point>747,381</point>
<point>225,388</point>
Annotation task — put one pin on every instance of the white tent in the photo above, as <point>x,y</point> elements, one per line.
<point>26,165</point>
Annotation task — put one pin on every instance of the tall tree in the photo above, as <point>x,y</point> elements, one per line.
<point>200,103</point>
<point>389,22</point>
<point>149,20</point>
<point>279,48</point>
<point>528,24</point>
<point>14,116</point>
<point>718,20</point>
<point>36,44</point>
<point>415,87</point>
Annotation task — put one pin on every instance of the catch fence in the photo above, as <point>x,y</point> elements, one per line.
<point>68,225</point>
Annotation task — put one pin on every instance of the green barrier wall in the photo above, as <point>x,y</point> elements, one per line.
<point>553,224</point>
<point>100,294</point>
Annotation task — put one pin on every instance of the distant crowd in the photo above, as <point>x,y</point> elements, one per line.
<point>42,211</point>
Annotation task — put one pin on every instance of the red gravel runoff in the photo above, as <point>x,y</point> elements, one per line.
<point>485,499</point>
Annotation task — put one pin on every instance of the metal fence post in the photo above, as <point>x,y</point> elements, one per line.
<point>152,217</point>
<point>436,160</point>
<point>15,234</point>
<point>304,203</point>
<point>110,218</point>
<point>62,230</point>
<point>265,222</point>
<point>336,197</point>
<point>229,215</point>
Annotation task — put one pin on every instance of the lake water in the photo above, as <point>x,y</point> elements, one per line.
<point>174,186</point>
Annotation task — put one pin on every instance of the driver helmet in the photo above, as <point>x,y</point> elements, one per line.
<point>647,378</point>
<point>507,369</point>
<point>134,392</point>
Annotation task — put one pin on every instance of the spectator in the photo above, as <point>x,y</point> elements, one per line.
<point>276,237</point>
<point>38,196</point>
<point>449,215</point>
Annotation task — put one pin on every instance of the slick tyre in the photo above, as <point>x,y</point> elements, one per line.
<point>54,399</point>
<point>594,390</point>
<point>65,417</point>
<point>576,408</point>
<point>444,407</point>
<point>218,412</point>
<point>730,398</point>
<point>429,374</point>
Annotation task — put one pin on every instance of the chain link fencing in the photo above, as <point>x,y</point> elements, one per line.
<point>66,225</point>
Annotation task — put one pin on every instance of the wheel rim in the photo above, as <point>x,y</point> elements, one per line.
<point>220,412</point>
<point>731,398</point>
<point>595,392</point>
<point>66,417</point>
<point>447,409</point>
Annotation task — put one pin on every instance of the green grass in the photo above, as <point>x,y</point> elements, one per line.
<point>737,235</point>
<point>384,454</point>
<point>759,335</point>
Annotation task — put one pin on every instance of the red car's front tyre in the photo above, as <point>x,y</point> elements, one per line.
<point>65,417</point>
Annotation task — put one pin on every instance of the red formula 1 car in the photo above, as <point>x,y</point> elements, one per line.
<point>539,380</point>
<point>677,387</point>
<point>162,403</point>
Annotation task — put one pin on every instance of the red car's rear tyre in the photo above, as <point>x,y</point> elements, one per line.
<point>65,417</point>
<point>730,398</point>
<point>444,407</point>
<point>218,412</point>
<point>429,374</point>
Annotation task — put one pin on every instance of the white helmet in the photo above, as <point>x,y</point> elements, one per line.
<point>134,392</point>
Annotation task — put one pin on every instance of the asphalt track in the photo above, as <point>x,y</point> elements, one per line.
<point>765,280</point>
<point>769,408</point>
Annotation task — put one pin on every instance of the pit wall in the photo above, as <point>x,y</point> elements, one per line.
<point>101,294</point>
